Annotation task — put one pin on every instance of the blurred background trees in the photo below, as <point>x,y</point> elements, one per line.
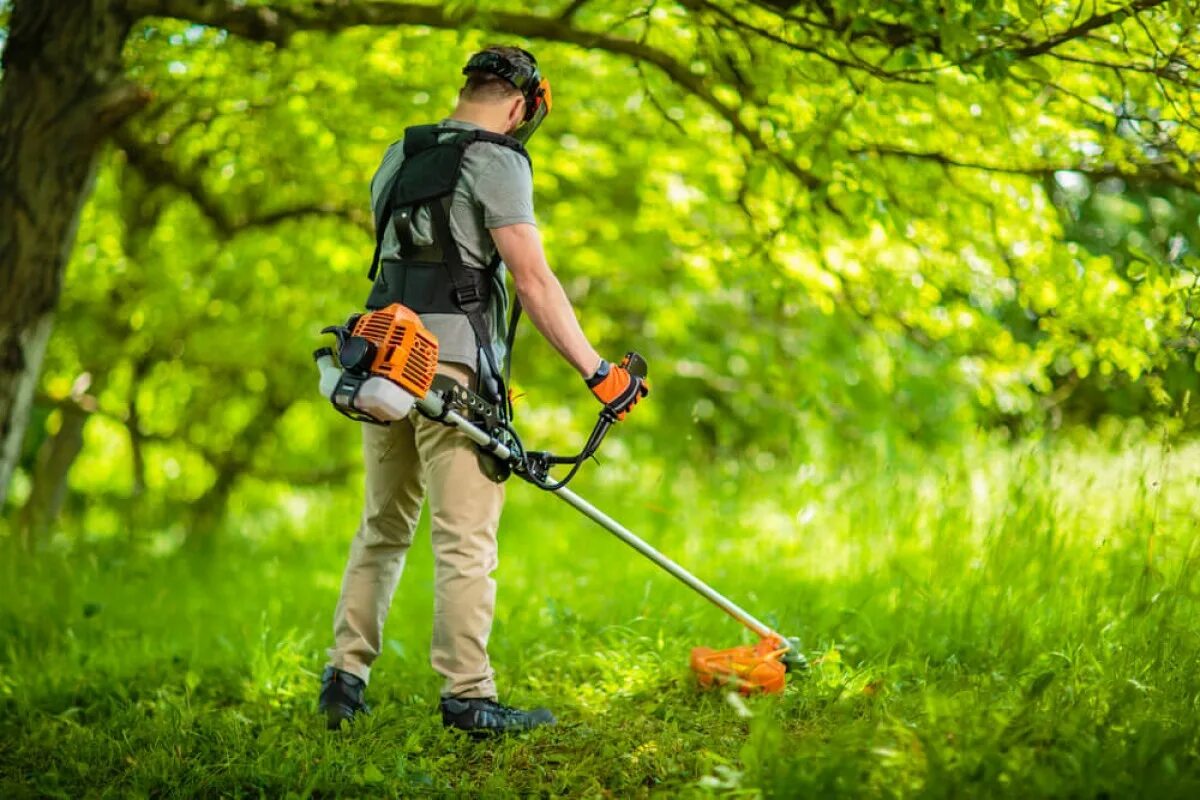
<point>829,226</point>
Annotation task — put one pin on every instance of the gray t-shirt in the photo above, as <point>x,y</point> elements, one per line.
<point>494,189</point>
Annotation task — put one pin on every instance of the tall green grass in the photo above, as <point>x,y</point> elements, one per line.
<point>1002,621</point>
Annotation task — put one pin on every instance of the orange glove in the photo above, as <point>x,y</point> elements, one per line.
<point>614,386</point>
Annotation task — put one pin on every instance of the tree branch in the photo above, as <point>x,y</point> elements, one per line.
<point>278,24</point>
<point>1087,26</point>
<point>162,171</point>
<point>572,9</point>
<point>119,103</point>
<point>317,476</point>
<point>1156,172</point>
<point>738,24</point>
<point>895,35</point>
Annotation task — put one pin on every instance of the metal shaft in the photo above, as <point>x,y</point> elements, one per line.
<point>637,543</point>
<point>433,404</point>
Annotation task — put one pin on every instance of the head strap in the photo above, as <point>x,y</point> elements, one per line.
<point>526,77</point>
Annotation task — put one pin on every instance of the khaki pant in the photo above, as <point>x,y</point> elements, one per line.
<point>404,460</point>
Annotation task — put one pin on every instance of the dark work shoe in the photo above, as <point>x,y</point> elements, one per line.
<point>341,696</point>
<point>481,717</point>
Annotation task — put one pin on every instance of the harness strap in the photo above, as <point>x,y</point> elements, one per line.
<point>511,337</point>
<point>466,291</point>
<point>402,223</point>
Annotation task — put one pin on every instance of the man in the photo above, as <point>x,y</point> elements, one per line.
<point>446,227</point>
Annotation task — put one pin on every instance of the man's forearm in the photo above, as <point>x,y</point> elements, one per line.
<point>550,310</point>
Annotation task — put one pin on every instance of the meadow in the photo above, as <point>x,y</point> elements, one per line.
<point>1004,619</point>
<point>919,287</point>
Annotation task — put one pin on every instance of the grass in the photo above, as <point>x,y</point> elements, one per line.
<point>1003,622</point>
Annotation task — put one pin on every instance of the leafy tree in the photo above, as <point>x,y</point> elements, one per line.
<point>861,217</point>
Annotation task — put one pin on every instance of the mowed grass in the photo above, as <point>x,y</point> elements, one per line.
<point>1001,622</point>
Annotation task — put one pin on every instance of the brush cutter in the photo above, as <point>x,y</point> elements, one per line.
<point>385,365</point>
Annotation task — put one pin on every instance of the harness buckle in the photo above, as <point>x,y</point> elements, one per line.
<point>467,295</point>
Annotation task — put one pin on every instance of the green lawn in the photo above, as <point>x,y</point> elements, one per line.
<point>1016,622</point>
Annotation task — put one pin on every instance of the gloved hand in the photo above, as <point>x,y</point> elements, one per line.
<point>614,386</point>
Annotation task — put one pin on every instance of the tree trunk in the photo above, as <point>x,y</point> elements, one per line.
<point>54,461</point>
<point>62,94</point>
<point>208,511</point>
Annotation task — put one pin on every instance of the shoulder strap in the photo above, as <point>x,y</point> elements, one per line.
<point>515,317</point>
<point>420,137</point>
<point>504,141</point>
<point>467,294</point>
<point>511,337</point>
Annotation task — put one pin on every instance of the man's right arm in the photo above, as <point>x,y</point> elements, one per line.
<point>547,304</point>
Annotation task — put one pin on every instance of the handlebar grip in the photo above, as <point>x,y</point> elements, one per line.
<point>635,364</point>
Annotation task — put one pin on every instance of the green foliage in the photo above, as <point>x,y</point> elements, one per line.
<point>996,623</point>
<point>846,234</point>
<point>830,227</point>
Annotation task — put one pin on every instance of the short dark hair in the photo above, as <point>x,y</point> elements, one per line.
<point>485,86</point>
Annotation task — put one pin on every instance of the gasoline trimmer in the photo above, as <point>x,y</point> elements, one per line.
<point>385,365</point>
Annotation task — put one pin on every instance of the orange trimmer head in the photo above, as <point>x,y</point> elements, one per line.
<point>749,668</point>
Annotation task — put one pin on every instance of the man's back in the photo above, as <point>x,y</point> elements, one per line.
<point>495,189</point>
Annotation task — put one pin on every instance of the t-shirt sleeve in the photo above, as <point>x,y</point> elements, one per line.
<point>391,157</point>
<point>505,190</point>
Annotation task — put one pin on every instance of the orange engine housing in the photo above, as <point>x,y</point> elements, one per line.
<point>406,352</point>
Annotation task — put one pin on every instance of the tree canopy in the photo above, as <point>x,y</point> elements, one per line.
<point>821,222</point>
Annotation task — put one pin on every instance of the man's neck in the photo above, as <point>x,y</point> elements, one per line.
<point>478,117</point>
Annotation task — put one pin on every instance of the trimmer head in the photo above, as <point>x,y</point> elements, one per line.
<point>749,668</point>
<point>794,660</point>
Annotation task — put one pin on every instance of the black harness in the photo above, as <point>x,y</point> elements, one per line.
<point>432,279</point>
